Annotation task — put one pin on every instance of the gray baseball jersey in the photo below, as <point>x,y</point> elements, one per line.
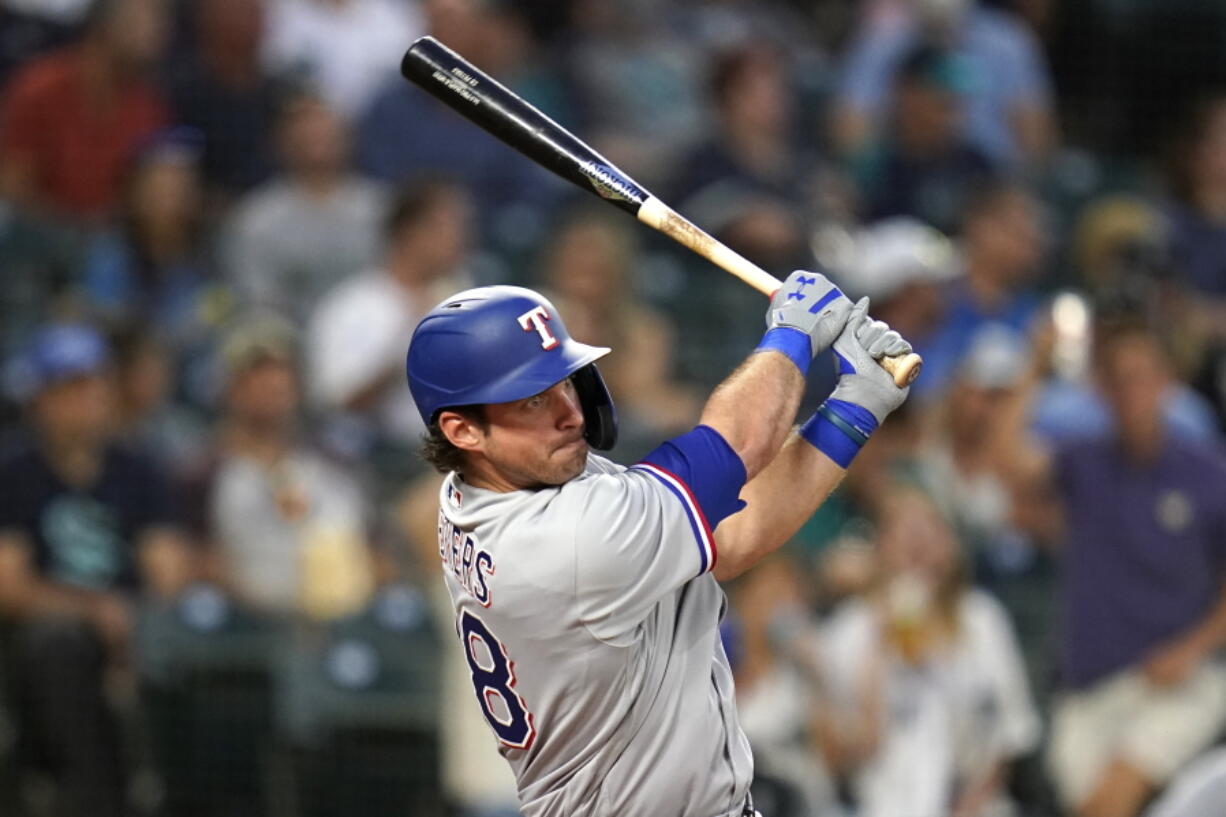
<point>591,626</point>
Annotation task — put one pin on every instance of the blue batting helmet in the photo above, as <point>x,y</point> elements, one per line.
<point>502,343</point>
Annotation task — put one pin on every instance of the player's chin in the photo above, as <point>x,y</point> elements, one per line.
<point>570,460</point>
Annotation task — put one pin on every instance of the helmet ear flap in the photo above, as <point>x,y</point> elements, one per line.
<point>599,415</point>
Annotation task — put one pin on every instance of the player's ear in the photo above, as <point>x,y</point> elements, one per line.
<point>461,430</point>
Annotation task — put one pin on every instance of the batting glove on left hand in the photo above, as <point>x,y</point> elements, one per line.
<point>809,303</point>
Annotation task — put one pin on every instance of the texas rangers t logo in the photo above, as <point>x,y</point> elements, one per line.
<point>535,319</point>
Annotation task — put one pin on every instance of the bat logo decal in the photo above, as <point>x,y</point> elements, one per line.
<point>609,184</point>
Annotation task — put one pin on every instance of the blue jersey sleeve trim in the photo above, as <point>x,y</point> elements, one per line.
<point>708,553</point>
<point>702,470</point>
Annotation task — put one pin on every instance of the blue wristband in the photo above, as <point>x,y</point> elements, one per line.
<point>791,342</point>
<point>839,430</point>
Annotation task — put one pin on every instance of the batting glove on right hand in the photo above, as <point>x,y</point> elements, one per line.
<point>862,381</point>
<point>865,393</point>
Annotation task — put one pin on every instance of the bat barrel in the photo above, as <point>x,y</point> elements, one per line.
<point>466,89</point>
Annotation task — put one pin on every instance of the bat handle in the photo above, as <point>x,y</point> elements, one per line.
<point>658,215</point>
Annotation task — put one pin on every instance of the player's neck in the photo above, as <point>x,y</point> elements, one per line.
<point>487,479</point>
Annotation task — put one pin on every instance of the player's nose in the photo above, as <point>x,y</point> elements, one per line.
<point>566,404</point>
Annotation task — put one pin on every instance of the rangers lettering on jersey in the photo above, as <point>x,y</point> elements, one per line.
<point>535,319</point>
<point>461,556</point>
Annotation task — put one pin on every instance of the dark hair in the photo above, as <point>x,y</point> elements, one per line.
<point>439,451</point>
<point>1185,139</point>
<point>733,64</point>
<point>415,200</point>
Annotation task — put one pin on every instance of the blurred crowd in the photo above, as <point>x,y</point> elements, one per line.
<point>220,220</point>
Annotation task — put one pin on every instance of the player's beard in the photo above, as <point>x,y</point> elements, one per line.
<point>559,466</point>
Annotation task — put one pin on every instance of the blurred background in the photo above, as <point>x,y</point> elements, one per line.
<point>220,220</point>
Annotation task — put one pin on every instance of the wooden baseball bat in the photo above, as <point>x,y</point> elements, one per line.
<point>449,77</point>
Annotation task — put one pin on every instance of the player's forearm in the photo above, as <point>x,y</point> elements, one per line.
<point>754,409</point>
<point>780,499</point>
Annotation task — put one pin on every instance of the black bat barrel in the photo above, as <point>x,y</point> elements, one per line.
<point>446,75</point>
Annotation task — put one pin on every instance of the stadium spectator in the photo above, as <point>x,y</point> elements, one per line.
<point>639,84</point>
<point>927,698</point>
<point>1142,575</point>
<point>345,49</point>
<point>748,181</point>
<point>1001,245</point>
<point>287,527</point>
<point>149,417</point>
<point>406,133</point>
<point>775,671</point>
<point>357,336</point>
<point>921,165</point>
<point>1008,111</point>
<point>155,267</point>
<point>1197,221</point>
<point>902,264</point>
<point>295,237</point>
<point>72,120</point>
<point>589,269</point>
<point>86,527</point>
<point>221,90</point>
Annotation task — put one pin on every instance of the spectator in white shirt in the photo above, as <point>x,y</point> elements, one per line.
<point>292,239</point>
<point>928,700</point>
<point>359,333</point>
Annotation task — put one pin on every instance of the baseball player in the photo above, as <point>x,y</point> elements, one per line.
<point>586,592</point>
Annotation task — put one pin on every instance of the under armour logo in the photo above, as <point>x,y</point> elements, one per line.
<point>801,283</point>
<point>535,318</point>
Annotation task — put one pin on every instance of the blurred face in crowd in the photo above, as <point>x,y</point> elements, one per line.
<point>233,26</point>
<point>588,262</point>
<point>264,393</point>
<point>1134,379</point>
<point>313,139</point>
<point>79,410</point>
<point>757,94</point>
<point>136,32</point>
<point>455,22</point>
<point>143,379</point>
<point>439,239</point>
<point>914,539</point>
<point>973,411</point>
<point>166,194</point>
<point>927,116</point>
<point>1209,161</point>
<point>525,444</point>
<point>1005,237</point>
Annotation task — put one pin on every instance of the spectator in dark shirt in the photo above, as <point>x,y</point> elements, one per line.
<point>72,120</point>
<point>223,92</point>
<point>1197,223</point>
<point>1143,598</point>
<point>747,182</point>
<point>84,527</point>
<point>923,166</point>
<point>405,133</point>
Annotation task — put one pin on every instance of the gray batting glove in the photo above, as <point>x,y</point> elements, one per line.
<point>862,381</point>
<point>810,303</point>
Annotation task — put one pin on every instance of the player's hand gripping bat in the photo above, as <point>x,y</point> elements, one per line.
<point>449,77</point>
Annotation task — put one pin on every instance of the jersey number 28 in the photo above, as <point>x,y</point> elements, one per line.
<point>494,680</point>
